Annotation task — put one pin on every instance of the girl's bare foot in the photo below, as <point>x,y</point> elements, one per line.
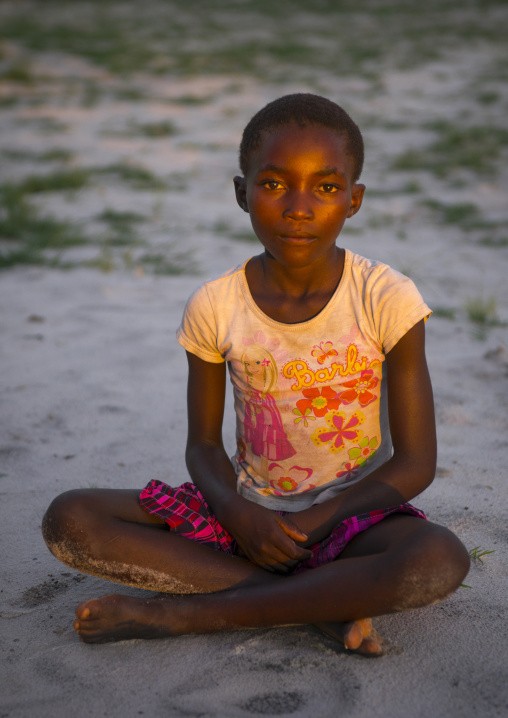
<point>358,636</point>
<point>118,618</point>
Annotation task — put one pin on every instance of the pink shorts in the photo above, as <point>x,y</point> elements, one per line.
<point>186,512</point>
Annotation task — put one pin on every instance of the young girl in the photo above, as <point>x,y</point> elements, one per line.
<point>335,427</point>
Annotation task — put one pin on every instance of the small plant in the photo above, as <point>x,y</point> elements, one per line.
<point>444,312</point>
<point>19,72</point>
<point>55,154</point>
<point>463,214</point>
<point>494,241</point>
<point>30,234</point>
<point>121,226</point>
<point>483,314</point>
<point>477,553</point>
<point>165,128</point>
<point>152,130</point>
<point>60,180</point>
<point>137,176</point>
<point>456,148</point>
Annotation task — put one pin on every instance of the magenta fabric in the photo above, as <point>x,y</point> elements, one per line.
<point>186,512</point>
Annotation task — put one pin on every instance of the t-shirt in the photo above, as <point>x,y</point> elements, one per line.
<point>310,398</point>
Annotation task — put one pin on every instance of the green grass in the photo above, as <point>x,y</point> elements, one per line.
<point>151,130</point>
<point>46,125</point>
<point>190,100</point>
<point>121,226</point>
<point>129,94</point>
<point>168,261</point>
<point>444,312</point>
<point>202,37</point>
<point>57,181</point>
<point>482,313</point>
<point>54,154</point>
<point>19,72</point>
<point>478,554</point>
<point>137,176</point>
<point>31,234</point>
<point>494,241</point>
<point>154,130</point>
<point>465,214</point>
<point>457,147</point>
<point>488,97</point>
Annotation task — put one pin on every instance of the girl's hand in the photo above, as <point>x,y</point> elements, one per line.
<point>264,537</point>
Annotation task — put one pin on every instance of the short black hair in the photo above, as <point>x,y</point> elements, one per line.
<point>302,109</point>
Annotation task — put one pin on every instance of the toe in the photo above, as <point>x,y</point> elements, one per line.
<point>83,611</point>
<point>353,635</point>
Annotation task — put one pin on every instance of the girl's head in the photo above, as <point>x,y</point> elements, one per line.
<point>303,110</point>
<point>260,368</point>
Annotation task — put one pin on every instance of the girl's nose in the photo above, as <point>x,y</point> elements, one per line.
<point>298,206</point>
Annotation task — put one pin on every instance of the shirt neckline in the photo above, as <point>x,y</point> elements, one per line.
<point>310,322</point>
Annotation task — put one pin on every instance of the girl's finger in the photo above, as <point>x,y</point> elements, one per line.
<point>291,529</point>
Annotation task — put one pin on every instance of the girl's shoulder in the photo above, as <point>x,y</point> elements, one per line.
<point>223,283</point>
<point>377,280</point>
<point>390,301</point>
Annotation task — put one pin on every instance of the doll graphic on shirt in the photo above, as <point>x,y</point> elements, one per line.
<point>263,428</point>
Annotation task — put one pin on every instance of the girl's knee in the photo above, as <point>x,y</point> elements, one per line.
<point>66,518</point>
<point>432,566</point>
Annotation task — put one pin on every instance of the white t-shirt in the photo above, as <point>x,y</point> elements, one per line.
<point>310,398</point>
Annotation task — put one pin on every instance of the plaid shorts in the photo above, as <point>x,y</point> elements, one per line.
<point>186,512</point>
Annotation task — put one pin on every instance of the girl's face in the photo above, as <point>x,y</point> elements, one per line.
<point>299,192</point>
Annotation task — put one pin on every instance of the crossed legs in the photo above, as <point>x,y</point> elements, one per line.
<point>403,562</point>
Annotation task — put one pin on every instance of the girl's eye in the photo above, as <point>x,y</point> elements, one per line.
<point>329,188</point>
<point>272,184</point>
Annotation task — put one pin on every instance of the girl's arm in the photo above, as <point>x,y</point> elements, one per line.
<point>412,425</point>
<point>264,537</point>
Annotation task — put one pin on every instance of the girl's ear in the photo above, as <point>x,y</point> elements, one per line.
<point>241,192</point>
<point>356,198</point>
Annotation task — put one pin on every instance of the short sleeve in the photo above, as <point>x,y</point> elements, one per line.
<point>396,305</point>
<point>197,332</point>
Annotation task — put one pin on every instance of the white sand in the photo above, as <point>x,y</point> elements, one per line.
<point>93,395</point>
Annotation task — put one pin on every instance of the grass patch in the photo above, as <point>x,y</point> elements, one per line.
<point>46,125</point>
<point>465,214</point>
<point>19,72</point>
<point>482,313</point>
<point>136,176</point>
<point>57,181</point>
<point>478,554</point>
<point>244,236</point>
<point>155,130</point>
<point>456,147</point>
<point>55,154</point>
<point>121,226</point>
<point>341,37</point>
<point>494,242</point>
<point>351,229</point>
<point>444,312</point>
<point>129,94</point>
<point>168,261</point>
<point>31,234</point>
<point>190,100</point>
<point>151,130</point>
<point>9,101</point>
<point>488,98</point>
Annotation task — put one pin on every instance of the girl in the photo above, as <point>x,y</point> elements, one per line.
<point>335,427</point>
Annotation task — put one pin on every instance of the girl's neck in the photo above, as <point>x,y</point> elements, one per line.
<point>293,294</point>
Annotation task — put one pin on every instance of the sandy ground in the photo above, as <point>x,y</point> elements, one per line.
<point>92,394</point>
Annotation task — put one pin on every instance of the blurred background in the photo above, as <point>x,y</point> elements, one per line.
<point>120,123</point>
